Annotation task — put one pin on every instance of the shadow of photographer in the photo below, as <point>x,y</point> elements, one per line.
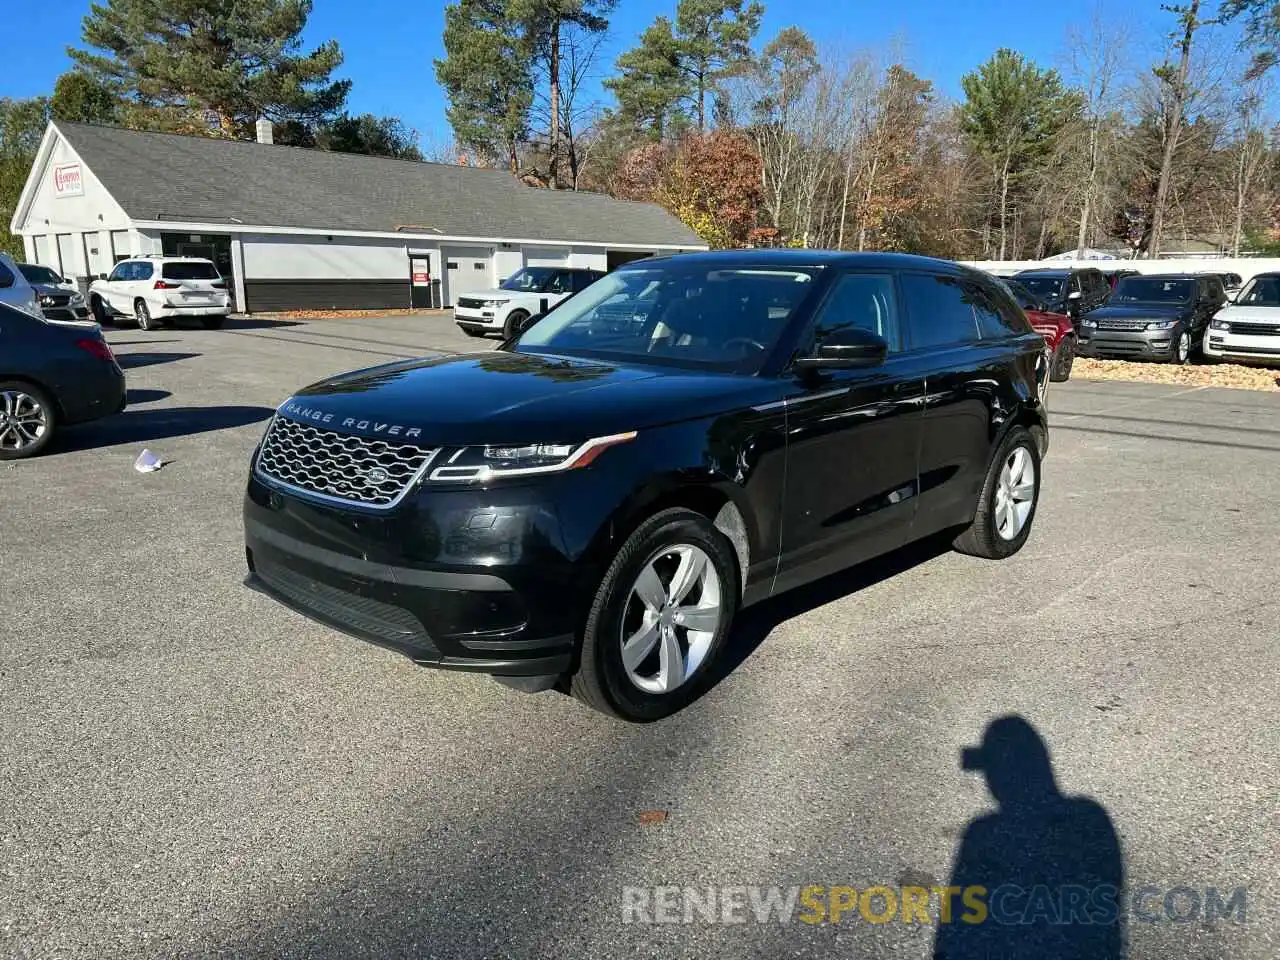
<point>1050,864</point>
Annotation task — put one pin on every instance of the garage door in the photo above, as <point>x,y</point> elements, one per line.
<point>545,257</point>
<point>467,270</point>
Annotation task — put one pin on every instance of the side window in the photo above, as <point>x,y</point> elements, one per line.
<point>6,276</point>
<point>863,300</point>
<point>142,271</point>
<point>580,281</point>
<point>993,323</point>
<point>1216,292</point>
<point>1073,283</point>
<point>118,273</point>
<point>938,309</point>
<point>559,283</point>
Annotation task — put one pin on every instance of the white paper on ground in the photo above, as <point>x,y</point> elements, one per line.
<point>147,462</point>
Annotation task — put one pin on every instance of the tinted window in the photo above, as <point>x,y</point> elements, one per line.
<point>121,272</point>
<point>681,314</point>
<point>560,282</point>
<point>142,271</point>
<point>938,309</point>
<point>1046,288</point>
<point>1262,292</point>
<point>193,270</point>
<point>993,322</point>
<point>862,300</point>
<point>1141,289</point>
<point>1022,296</point>
<point>529,279</point>
<point>1215,290</point>
<point>583,280</point>
<point>6,276</point>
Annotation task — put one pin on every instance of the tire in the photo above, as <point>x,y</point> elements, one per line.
<point>1063,359</point>
<point>603,681</point>
<point>100,312</point>
<point>984,537</point>
<point>142,314</point>
<point>1180,351</point>
<point>511,328</point>
<point>213,323</point>
<point>30,403</point>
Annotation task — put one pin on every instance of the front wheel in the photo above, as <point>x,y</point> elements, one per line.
<point>1180,352</point>
<point>100,312</point>
<point>659,619</point>
<point>27,420</point>
<point>1007,504</point>
<point>1063,359</point>
<point>514,321</point>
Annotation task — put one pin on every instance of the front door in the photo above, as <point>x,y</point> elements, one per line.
<point>420,281</point>
<point>853,439</point>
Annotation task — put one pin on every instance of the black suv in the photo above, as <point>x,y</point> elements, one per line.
<point>1073,291</point>
<point>1154,317</point>
<point>589,507</point>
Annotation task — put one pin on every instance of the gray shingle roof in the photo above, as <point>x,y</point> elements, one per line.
<point>161,176</point>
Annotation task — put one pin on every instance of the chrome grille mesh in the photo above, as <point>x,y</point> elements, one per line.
<point>357,469</point>
<point>1133,326</point>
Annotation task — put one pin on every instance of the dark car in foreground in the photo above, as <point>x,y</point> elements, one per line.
<point>52,375</point>
<point>59,298</point>
<point>1153,317</point>
<point>589,507</point>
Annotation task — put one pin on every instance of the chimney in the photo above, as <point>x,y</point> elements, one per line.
<point>265,131</point>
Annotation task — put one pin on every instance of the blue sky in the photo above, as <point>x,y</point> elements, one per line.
<point>390,44</point>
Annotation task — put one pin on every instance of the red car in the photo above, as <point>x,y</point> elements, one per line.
<point>1057,329</point>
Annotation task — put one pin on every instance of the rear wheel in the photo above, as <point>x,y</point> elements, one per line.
<point>512,327</point>
<point>1063,359</point>
<point>1180,353</point>
<point>27,420</point>
<point>1007,504</point>
<point>143,315</point>
<point>213,323</point>
<point>659,619</point>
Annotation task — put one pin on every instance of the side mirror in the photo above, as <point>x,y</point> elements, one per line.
<point>1074,295</point>
<point>846,349</point>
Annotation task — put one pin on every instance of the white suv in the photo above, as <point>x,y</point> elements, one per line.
<point>527,292</point>
<point>1247,330</point>
<point>154,290</point>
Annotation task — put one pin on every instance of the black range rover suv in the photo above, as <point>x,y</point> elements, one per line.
<point>589,507</point>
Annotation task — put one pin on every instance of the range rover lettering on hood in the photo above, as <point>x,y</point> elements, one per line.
<point>299,412</point>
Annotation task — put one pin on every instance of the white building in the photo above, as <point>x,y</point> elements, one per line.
<point>295,228</point>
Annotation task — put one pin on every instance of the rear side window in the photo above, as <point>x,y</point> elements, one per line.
<point>939,310</point>
<point>141,271</point>
<point>996,319</point>
<point>862,300</point>
<point>189,271</point>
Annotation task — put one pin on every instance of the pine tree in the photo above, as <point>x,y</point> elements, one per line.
<point>184,64</point>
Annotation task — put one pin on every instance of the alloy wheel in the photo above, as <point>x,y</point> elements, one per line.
<point>1184,346</point>
<point>671,617</point>
<point>143,315</point>
<point>1015,493</point>
<point>23,421</point>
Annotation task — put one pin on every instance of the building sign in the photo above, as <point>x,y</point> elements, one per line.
<point>67,180</point>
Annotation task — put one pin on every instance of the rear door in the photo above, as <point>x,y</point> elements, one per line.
<point>961,388</point>
<point>853,439</point>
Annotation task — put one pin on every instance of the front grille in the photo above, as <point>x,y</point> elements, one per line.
<point>59,299</point>
<point>376,473</point>
<point>1132,326</point>
<point>470,303</point>
<point>361,615</point>
<point>1255,329</point>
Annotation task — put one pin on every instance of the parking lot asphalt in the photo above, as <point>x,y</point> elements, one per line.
<point>189,769</point>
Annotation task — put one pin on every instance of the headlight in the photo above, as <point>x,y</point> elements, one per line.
<point>1086,322</point>
<point>77,297</point>
<point>478,464</point>
<point>1217,324</point>
<point>1162,324</point>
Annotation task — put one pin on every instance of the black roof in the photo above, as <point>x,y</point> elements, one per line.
<point>1051,271</point>
<point>166,176</point>
<point>791,257</point>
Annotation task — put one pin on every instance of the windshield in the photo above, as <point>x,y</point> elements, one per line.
<point>37,274</point>
<point>1153,290</point>
<point>529,279</point>
<point>693,315</point>
<point>1046,288</point>
<point>189,270</point>
<point>1261,292</point>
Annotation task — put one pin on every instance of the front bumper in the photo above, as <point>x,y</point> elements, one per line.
<point>76,313</point>
<point>1127,345</point>
<point>1225,345</point>
<point>484,318</point>
<point>462,580</point>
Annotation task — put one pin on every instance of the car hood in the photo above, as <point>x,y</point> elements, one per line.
<point>1250,314</point>
<point>49,289</point>
<point>1140,311</point>
<point>501,397</point>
